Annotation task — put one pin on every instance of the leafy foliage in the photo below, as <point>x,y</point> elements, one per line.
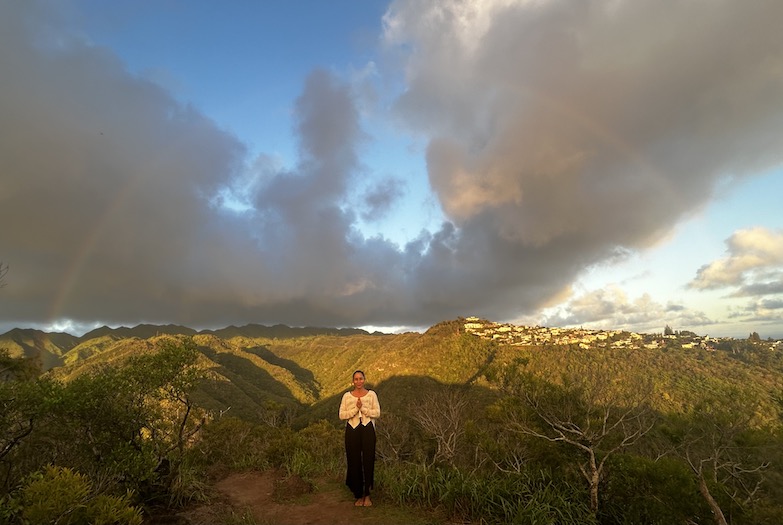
<point>127,424</point>
<point>63,496</point>
<point>584,410</point>
<point>469,426</point>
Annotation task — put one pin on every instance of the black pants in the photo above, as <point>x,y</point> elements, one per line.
<point>360,456</point>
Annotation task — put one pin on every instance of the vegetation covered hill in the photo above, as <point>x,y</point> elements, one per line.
<point>249,367</point>
<point>48,348</point>
<point>480,419</point>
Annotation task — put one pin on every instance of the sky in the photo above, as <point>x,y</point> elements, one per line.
<point>604,164</point>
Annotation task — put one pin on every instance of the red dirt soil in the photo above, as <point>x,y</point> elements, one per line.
<point>268,498</point>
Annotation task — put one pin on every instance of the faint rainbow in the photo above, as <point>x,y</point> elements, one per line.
<point>91,239</point>
<point>87,248</point>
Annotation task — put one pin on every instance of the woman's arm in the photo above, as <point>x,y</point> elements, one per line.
<point>371,407</point>
<point>348,409</point>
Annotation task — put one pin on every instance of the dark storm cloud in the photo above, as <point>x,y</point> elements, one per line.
<point>103,178</point>
<point>564,130</point>
<point>379,199</point>
<point>760,289</point>
<point>560,134</point>
<point>117,201</point>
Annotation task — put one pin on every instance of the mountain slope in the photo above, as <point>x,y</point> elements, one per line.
<point>35,344</point>
<point>256,372</point>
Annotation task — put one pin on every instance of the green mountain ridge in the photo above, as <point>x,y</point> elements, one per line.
<point>47,348</point>
<point>258,371</point>
<point>54,349</point>
<point>142,331</point>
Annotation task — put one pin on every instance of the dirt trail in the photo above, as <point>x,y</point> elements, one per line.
<point>267,498</point>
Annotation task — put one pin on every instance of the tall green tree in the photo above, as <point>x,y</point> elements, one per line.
<point>24,401</point>
<point>586,410</point>
<point>129,421</point>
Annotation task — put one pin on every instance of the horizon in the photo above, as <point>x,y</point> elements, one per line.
<point>374,329</point>
<point>392,164</point>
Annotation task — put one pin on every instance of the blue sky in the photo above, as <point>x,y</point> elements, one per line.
<point>392,164</point>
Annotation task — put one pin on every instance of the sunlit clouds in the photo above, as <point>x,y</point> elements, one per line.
<point>612,309</point>
<point>555,135</point>
<point>754,264</point>
<point>751,271</point>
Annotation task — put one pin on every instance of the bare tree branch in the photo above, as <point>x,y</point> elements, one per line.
<point>441,416</point>
<point>587,411</point>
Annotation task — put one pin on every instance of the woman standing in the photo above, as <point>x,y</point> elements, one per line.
<point>360,407</point>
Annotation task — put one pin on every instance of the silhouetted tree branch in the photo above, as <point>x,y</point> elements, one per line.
<point>715,442</point>
<point>441,416</point>
<point>587,411</point>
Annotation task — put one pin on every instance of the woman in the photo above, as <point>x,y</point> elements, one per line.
<point>359,408</point>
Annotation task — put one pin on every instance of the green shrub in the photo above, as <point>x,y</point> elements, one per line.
<point>55,495</point>
<point>63,496</point>
<point>639,490</point>
<point>113,510</point>
<point>234,444</point>
<point>240,445</point>
<point>314,449</point>
<point>188,484</point>
<point>324,444</point>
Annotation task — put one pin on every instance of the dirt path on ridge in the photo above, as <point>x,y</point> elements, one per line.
<point>269,499</point>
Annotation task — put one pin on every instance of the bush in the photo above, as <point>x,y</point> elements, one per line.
<point>316,448</point>
<point>640,490</point>
<point>187,485</point>
<point>324,444</point>
<point>63,496</point>
<point>240,445</point>
<point>113,510</point>
<point>233,444</point>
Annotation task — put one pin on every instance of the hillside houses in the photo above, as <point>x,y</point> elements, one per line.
<point>583,338</point>
<point>538,335</point>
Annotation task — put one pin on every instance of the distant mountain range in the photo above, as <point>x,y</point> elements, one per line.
<point>52,347</point>
<point>256,372</point>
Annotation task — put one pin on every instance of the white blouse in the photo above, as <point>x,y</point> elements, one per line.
<point>370,410</point>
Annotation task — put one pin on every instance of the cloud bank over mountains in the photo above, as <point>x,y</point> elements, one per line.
<point>559,135</point>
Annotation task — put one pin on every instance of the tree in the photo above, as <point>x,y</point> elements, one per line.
<point>130,420</point>
<point>587,411</point>
<point>17,368</point>
<point>718,442</point>
<point>668,330</point>
<point>23,403</point>
<point>441,415</point>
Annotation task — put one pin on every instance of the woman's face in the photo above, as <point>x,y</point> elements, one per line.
<point>358,380</point>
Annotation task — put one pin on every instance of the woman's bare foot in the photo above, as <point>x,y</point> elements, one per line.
<point>359,503</point>
<point>367,501</point>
